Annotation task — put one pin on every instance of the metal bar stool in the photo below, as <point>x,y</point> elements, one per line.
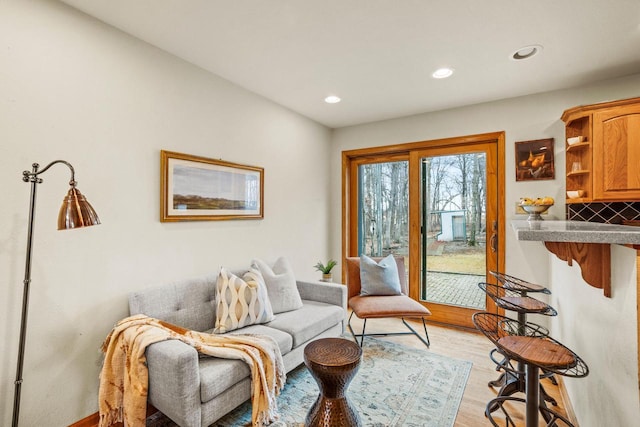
<point>536,352</point>
<point>515,284</point>
<point>511,298</point>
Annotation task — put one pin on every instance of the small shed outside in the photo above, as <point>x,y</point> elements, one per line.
<point>454,226</point>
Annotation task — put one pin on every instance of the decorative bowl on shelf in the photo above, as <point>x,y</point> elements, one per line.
<point>534,211</point>
<point>575,140</point>
<point>574,194</point>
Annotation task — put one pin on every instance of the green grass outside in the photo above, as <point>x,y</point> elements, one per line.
<point>468,262</point>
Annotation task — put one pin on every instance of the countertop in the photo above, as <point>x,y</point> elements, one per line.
<point>576,231</point>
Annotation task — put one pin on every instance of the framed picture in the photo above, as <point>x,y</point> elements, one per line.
<point>534,160</point>
<point>200,189</point>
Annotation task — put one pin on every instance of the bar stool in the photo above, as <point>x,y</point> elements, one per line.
<point>515,284</point>
<point>515,298</point>
<point>535,352</point>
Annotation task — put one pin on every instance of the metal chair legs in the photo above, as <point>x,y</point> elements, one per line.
<point>425,340</point>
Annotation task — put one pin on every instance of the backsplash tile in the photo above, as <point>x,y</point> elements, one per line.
<point>609,213</point>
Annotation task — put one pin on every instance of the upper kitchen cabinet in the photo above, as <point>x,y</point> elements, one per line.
<point>603,151</point>
<point>616,153</point>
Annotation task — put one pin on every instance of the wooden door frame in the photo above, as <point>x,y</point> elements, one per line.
<point>351,159</point>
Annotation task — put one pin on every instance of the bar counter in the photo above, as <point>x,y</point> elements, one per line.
<point>586,243</point>
<point>576,231</point>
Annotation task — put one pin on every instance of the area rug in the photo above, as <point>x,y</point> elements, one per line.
<point>395,386</point>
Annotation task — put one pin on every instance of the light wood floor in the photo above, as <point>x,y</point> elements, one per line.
<point>467,345</point>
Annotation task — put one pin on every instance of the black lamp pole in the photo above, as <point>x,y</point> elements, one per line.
<point>75,212</point>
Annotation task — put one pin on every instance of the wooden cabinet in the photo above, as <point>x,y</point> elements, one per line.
<point>605,165</point>
<point>616,160</point>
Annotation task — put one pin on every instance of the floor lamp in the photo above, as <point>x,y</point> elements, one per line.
<point>75,212</point>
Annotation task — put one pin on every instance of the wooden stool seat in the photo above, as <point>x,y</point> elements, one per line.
<point>529,287</point>
<point>531,305</point>
<point>538,351</point>
<point>516,300</point>
<point>522,343</point>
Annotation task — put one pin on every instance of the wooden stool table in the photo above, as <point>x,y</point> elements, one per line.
<point>521,342</point>
<point>536,352</point>
<point>333,362</point>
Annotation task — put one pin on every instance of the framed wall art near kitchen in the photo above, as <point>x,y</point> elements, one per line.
<point>197,188</point>
<point>535,160</point>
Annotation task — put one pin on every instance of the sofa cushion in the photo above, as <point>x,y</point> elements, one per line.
<point>284,340</point>
<point>307,322</point>
<point>241,301</point>
<point>281,285</point>
<point>188,303</point>
<point>217,375</point>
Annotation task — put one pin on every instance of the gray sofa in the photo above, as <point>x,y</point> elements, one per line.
<point>196,391</point>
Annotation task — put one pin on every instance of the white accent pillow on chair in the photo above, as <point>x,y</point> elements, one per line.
<point>379,278</point>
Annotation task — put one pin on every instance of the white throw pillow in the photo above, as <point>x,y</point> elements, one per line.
<point>281,285</point>
<point>379,278</point>
<point>241,302</point>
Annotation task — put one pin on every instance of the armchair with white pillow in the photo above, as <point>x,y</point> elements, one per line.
<point>377,288</point>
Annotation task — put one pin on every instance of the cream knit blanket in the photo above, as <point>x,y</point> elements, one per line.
<point>124,377</point>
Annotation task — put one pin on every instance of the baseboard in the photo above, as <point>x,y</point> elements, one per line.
<point>93,420</point>
<point>566,402</point>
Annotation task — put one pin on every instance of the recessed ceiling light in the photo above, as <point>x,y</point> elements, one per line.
<point>526,52</point>
<point>332,99</point>
<point>442,73</point>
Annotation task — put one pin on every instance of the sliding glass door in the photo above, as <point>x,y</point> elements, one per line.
<point>455,204</point>
<point>436,205</point>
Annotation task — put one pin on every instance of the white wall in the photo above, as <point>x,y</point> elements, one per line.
<point>603,332</point>
<point>75,89</point>
<point>528,118</point>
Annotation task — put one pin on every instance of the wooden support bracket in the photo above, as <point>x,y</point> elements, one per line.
<point>594,260</point>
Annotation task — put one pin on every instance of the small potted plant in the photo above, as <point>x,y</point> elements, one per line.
<point>326,269</point>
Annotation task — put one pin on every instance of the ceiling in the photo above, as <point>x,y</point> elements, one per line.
<point>378,55</point>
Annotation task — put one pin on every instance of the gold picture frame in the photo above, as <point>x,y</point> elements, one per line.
<point>535,160</point>
<point>195,188</point>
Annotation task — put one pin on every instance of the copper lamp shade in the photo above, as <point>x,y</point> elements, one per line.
<point>76,211</point>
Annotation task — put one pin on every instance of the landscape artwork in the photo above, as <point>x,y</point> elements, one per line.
<point>198,188</point>
<point>534,160</point>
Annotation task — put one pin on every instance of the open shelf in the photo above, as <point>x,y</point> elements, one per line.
<point>578,172</point>
<point>578,146</point>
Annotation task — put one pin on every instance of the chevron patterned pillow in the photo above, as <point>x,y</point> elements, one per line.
<point>241,301</point>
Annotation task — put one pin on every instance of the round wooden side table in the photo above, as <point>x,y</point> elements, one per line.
<point>333,362</point>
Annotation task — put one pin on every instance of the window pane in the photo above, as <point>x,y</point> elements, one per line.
<point>383,214</point>
<point>454,217</point>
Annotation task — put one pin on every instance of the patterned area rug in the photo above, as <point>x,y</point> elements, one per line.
<point>395,386</point>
